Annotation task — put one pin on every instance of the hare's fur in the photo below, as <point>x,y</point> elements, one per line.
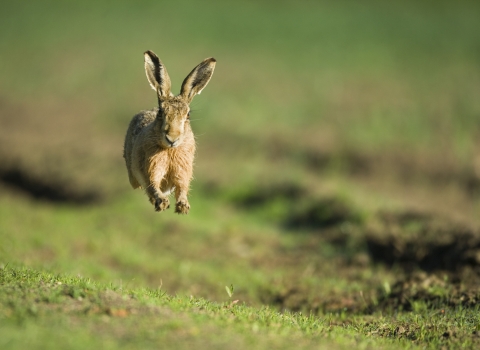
<point>159,146</point>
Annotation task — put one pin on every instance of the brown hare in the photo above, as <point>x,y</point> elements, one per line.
<point>159,145</point>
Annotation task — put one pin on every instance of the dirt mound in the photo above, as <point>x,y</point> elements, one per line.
<point>412,240</point>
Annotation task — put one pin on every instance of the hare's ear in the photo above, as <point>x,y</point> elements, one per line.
<point>157,74</point>
<point>198,78</point>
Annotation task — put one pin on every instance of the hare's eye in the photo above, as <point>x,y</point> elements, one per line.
<point>188,115</point>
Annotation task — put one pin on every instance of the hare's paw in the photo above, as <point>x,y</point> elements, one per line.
<point>161,204</point>
<point>182,207</point>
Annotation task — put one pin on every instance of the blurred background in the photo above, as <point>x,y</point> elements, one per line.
<point>356,106</point>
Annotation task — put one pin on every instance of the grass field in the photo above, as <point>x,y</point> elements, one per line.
<point>336,199</point>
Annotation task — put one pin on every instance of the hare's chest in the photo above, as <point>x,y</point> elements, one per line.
<point>171,163</point>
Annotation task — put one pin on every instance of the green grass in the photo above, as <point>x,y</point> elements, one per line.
<point>40,309</point>
<point>154,282</point>
<point>361,106</point>
<point>199,254</point>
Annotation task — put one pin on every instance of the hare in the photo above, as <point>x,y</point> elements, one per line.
<point>159,146</point>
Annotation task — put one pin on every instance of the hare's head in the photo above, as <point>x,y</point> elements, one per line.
<point>174,111</point>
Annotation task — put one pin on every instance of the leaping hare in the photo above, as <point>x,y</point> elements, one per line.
<point>159,145</point>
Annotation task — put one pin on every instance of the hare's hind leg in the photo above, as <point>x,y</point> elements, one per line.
<point>133,180</point>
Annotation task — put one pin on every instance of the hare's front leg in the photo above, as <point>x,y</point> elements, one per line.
<point>181,191</point>
<point>182,206</point>
<point>157,198</point>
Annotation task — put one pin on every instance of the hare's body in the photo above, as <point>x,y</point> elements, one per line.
<point>159,146</point>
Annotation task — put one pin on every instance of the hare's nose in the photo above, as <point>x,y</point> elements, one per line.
<point>170,140</point>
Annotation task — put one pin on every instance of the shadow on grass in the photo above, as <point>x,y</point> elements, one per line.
<point>414,240</point>
<point>44,189</point>
<point>308,213</point>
